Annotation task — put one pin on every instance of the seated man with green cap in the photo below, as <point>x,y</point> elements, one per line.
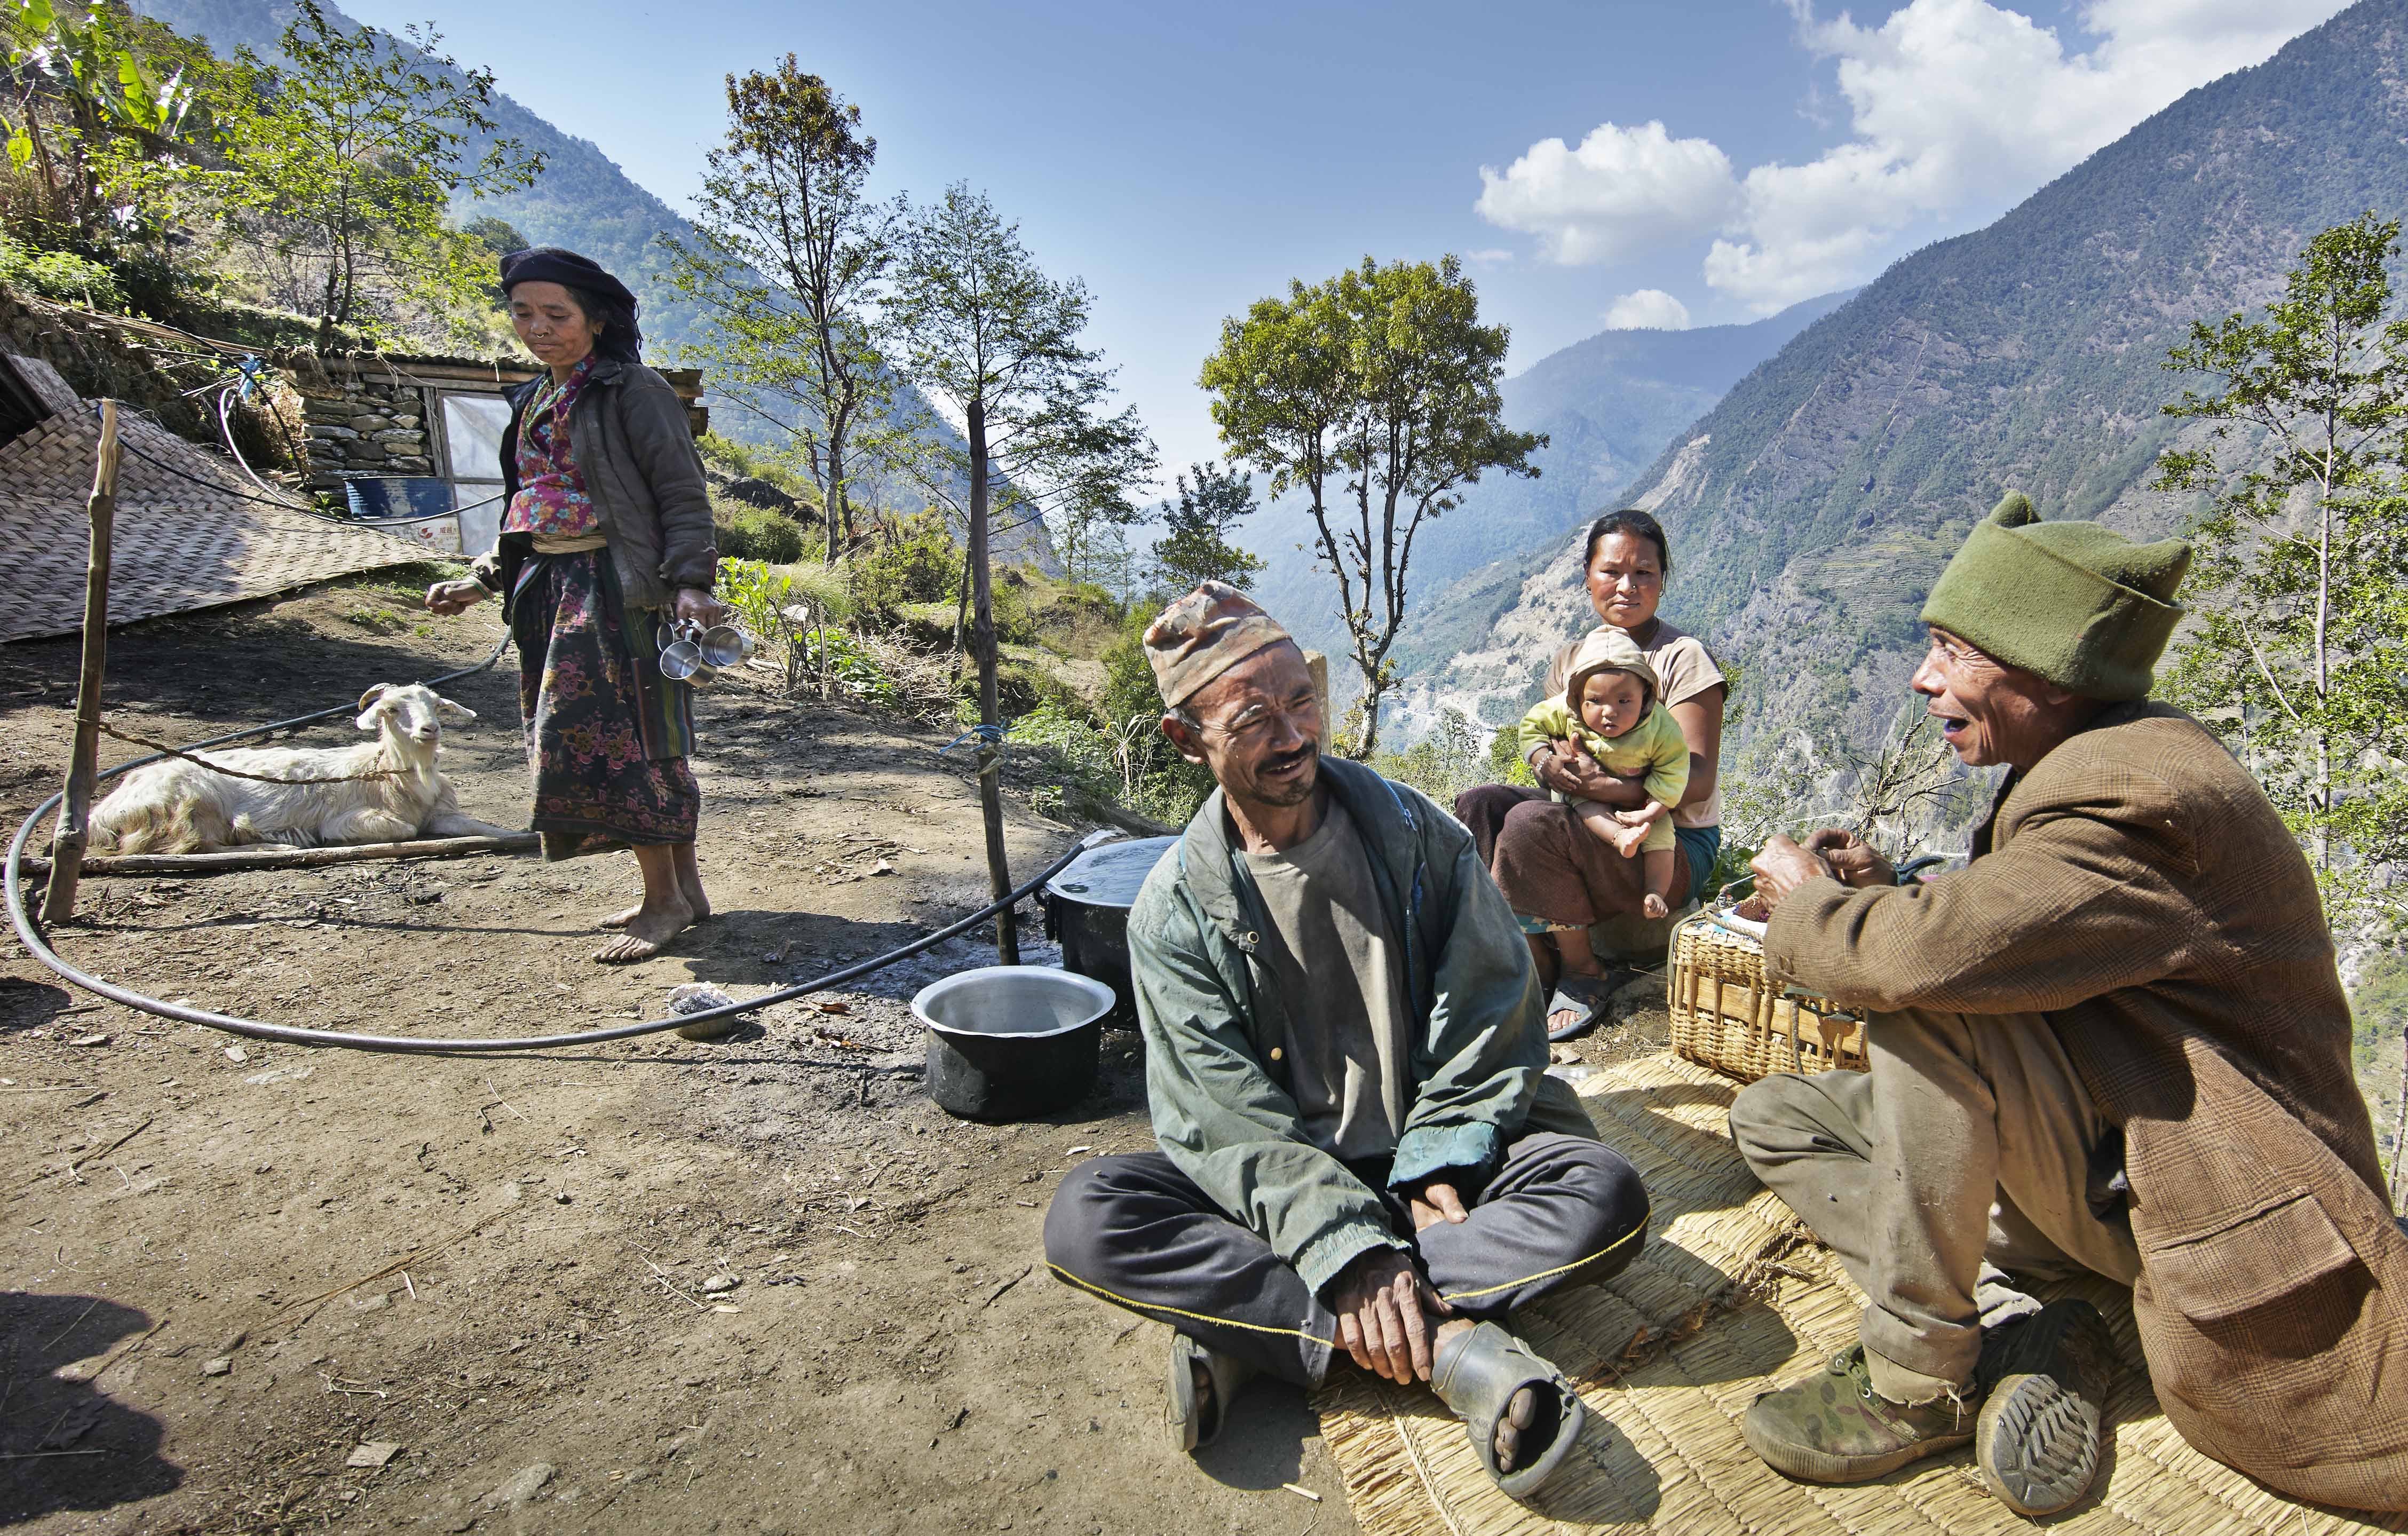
<point>2115,1042</point>
<point>1346,1065</point>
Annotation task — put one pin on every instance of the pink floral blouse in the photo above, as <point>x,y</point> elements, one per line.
<point>551,496</point>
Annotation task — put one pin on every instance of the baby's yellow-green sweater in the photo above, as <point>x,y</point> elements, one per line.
<point>1654,747</point>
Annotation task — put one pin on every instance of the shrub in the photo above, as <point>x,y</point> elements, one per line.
<point>755,533</point>
<point>913,561</point>
<point>60,275</point>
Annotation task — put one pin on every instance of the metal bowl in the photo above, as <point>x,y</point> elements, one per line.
<point>1011,1042</point>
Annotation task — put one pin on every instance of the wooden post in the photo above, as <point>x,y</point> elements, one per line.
<point>75,812</point>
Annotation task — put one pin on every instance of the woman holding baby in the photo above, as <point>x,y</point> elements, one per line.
<point>1558,851</point>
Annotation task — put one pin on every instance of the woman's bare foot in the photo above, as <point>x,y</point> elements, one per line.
<point>647,932</point>
<point>620,920</point>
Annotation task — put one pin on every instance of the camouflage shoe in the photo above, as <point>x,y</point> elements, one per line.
<point>1834,1427</point>
<point>2037,1439</point>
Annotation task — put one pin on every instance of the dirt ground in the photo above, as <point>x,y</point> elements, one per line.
<point>757,1285</point>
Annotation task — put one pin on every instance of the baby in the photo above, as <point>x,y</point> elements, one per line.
<point>1609,706</point>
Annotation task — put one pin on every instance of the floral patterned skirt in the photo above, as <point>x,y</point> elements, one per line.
<point>607,735</point>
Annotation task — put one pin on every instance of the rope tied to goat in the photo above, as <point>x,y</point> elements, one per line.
<point>131,739</point>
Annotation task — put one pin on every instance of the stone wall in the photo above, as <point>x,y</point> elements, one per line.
<point>365,423</point>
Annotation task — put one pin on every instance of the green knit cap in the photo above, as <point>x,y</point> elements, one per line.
<point>2077,603</point>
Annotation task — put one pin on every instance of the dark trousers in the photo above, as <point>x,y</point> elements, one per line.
<point>1136,1231</point>
<point>1550,866</point>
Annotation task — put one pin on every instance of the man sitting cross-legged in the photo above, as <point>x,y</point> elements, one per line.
<point>2115,1042</point>
<point>1361,1149</point>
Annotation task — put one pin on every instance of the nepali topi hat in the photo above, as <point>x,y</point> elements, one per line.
<point>2077,603</point>
<point>1202,636</point>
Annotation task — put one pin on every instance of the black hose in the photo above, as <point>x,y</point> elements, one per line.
<point>30,935</point>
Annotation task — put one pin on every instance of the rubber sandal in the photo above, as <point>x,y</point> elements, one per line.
<point>1587,996</point>
<point>1477,1373</point>
<point>1196,1421</point>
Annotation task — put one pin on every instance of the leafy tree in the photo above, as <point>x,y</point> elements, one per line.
<point>2300,591</point>
<point>106,77</point>
<point>347,154</point>
<point>994,341</point>
<point>787,259</point>
<point>1383,380</point>
<point>1195,546</point>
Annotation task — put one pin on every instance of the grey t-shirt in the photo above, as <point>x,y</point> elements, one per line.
<point>1348,1048</point>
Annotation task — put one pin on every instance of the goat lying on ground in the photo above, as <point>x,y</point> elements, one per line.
<point>393,793</point>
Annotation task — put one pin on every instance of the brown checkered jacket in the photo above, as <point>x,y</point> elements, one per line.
<point>2138,888</point>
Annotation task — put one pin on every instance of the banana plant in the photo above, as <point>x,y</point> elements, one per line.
<point>84,56</point>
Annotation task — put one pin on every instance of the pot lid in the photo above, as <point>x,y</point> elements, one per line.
<point>1109,876</point>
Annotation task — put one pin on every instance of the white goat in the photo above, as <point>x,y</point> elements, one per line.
<point>177,807</point>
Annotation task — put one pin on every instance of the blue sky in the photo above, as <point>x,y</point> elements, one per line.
<point>1599,163</point>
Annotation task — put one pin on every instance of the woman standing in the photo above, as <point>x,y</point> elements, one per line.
<point>1559,879</point>
<point>607,537</point>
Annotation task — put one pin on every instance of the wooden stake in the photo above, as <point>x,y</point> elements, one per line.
<point>294,859</point>
<point>75,814</point>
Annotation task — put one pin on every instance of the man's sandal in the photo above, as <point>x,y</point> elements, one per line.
<point>1197,1417</point>
<point>1477,1373</point>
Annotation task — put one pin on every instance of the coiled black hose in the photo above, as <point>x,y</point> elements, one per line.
<point>30,935</point>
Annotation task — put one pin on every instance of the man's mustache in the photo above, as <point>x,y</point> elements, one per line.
<point>1288,760</point>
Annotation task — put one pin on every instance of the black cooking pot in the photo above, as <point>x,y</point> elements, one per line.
<point>1086,912</point>
<point>1011,1042</point>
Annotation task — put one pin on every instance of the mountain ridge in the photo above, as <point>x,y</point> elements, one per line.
<point>1810,510</point>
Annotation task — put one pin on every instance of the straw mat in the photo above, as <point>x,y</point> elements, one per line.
<point>1731,1298</point>
<point>180,543</point>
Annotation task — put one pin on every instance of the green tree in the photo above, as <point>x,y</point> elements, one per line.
<point>787,260</point>
<point>993,340</point>
<point>2299,646</point>
<point>1379,385</point>
<point>1196,525</point>
<point>347,154</point>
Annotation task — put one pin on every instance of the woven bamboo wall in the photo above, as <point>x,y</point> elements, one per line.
<point>191,532</point>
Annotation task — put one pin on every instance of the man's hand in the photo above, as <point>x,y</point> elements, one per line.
<point>1384,1309</point>
<point>1435,1202</point>
<point>1781,866</point>
<point>1851,858</point>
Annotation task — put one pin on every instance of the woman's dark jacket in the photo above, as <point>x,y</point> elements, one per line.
<point>636,454</point>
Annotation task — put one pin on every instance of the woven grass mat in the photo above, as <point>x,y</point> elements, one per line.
<point>191,532</point>
<point>1729,1299</point>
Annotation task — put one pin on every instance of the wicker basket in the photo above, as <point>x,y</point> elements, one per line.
<point>1727,1016</point>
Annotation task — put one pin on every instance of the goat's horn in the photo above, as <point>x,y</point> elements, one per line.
<point>372,695</point>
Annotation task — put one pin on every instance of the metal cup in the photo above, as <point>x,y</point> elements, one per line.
<point>682,662</point>
<point>727,645</point>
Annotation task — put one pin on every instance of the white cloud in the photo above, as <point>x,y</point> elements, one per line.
<point>1492,256</point>
<point>1962,105</point>
<point>1956,108</point>
<point>1648,309</point>
<point>1623,190</point>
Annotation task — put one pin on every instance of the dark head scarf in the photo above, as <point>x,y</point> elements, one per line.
<point>606,300</point>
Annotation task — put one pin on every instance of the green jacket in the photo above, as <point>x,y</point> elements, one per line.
<point>1222,1107</point>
